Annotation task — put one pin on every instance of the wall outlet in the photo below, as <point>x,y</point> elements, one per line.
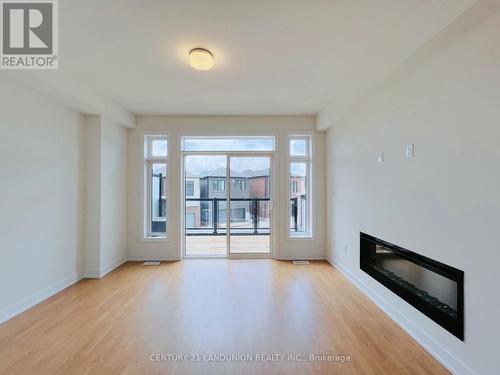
<point>380,157</point>
<point>410,151</point>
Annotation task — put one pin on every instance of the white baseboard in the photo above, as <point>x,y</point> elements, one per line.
<point>91,274</point>
<point>103,271</point>
<point>447,359</point>
<point>149,257</point>
<point>30,301</point>
<point>111,266</point>
<point>436,350</point>
<point>303,257</point>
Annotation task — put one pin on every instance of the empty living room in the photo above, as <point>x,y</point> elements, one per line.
<point>249,187</point>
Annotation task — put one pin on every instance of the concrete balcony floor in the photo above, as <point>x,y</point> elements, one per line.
<point>216,245</point>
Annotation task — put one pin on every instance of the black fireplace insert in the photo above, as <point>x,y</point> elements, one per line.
<point>434,288</point>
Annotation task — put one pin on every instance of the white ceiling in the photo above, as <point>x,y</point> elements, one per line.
<point>271,57</point>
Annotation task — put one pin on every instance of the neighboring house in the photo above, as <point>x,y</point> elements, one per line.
<point>244,185</point>
<point>193,213</point>
<point>159,201</point>
<point>259,187</point>
<point>298,202</point>
<point>213,185</point>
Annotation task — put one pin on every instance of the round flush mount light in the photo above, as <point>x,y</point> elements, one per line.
<point>201,59</point>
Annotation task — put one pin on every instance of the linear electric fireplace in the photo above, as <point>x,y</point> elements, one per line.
<point>434,288</point>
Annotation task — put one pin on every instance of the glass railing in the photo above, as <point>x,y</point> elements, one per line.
<point>208,216</point>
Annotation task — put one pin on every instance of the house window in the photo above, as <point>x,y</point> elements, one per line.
<point>219,185</point>
<point>155,165</point>
<point>240,185</point>
<point>189,189</point>
<point>299,174</point>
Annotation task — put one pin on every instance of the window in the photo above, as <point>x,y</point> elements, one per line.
<point>227,143</point>
<point>219,185</point>
<point>240,184</point>
<point>155,165</point>
<point>189,188</point>
<point>238,215</point>
<point>158,147</point>
<point>300,186</point>
<point>298,147</point>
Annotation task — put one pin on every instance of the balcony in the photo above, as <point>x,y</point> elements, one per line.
<point>206,229</point>
<point>249,216</point>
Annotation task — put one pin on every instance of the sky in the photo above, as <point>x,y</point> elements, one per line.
<point>298,147</point>
<point>159,147</point>
<point>226,144</point>
<point>298,169</point>
<point>200,165</point>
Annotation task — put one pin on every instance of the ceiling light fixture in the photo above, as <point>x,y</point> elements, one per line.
<point>201,59</point>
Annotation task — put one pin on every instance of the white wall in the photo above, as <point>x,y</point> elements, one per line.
<point>41,173</point>
<point>174,127</point>
<point>105,195</point>
<point>92,196</point>
<point>445,202</point>
<point>113,195</point>
<point>63,197</point>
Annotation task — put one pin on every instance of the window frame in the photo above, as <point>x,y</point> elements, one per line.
<point>308,161</point>
<point>149,161</point>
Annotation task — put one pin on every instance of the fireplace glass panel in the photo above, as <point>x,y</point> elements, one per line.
<point>434,288</point>
<point>425,284</point>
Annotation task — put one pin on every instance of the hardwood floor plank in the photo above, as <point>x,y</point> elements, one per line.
<point>205,307</point>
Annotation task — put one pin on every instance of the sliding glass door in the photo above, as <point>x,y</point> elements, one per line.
<point>250,205</point>
<point>227,188</point>
<point>205,201</point>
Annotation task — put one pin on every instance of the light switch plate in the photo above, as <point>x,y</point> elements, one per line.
<point>410,151</point>
<point>380,157</point>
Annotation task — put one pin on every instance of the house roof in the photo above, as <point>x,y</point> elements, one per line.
<point>221,172</point>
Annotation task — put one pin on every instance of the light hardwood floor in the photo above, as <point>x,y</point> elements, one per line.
<point>114,325</point>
